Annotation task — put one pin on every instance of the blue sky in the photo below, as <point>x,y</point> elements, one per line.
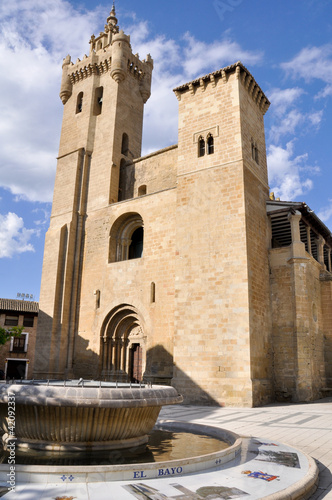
<point>287,46</point>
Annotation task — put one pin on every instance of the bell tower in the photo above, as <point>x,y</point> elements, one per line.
<point>103,96</point>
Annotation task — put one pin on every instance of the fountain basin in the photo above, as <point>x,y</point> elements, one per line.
<point>120,472</point>
<point>70,417</point>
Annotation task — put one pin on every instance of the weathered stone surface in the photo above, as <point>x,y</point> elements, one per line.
<point>209,306</point>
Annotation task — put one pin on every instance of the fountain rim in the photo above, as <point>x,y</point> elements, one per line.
<point>97,473</point>
<point>100,395</point>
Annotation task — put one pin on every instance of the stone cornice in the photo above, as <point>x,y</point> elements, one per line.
<point>155,153</point>
<point>241,73</point>
<point>89,66</point>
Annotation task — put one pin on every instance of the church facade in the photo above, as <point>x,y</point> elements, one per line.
<point>179,267</point>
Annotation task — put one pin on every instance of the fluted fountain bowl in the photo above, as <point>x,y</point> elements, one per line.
<point>80,415</point>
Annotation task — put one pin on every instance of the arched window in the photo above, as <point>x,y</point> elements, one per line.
<point>126,238</point>
<point>142,190</point>
<point>125,144</point>
<point>79,103</point>
<point>98,101</point>
<point>201,147</point>
<point>210,145</point>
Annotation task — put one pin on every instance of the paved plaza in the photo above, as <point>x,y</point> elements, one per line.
<point>307,427</point>
<point>281,433</point>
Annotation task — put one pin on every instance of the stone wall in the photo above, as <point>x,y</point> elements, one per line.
<point>298,326</point>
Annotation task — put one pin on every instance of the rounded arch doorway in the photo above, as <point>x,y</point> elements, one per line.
<point>122,348</point>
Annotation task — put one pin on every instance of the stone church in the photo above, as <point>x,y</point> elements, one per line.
<point>179,267</point>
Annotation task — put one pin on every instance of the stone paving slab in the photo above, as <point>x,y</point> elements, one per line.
<point>295,429</point>
<point>306,426</point>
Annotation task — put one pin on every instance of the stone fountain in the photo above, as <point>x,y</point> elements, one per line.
<point>82,415</point>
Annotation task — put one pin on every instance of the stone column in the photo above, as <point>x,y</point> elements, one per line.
<point>124,354</point>
<point>104,353</point>
<point>301,335</point>
<point>298,247</point>
<point>329,259</point>
<point>320,242</point>
<point>113,356</point>
<point>309,240</point>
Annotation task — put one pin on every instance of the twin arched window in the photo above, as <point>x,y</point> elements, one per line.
<point>97,105</point>
<point>205,146</point>
<point>126,238</point>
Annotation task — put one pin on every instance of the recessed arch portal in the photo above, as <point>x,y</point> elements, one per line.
<point>122,351</point>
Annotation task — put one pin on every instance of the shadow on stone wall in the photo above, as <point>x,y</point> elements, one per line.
<point>159,366</point>
<point>160,369</point>
<point>48,349</point>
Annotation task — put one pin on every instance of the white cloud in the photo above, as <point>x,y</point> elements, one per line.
<point>325,213</point>
<point>44,219</point>
<point>287,115</point>
<point>34,37</point>
<point>174,64</point>
<point>286,125</point>
<point>282,99</point>
<point>316,117</point>
<point>200,56</point>
<point>288,173</point>
<point>14,237</point>
<point>313,63</point>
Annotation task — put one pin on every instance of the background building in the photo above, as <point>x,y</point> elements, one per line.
<point>177,267</point>
<point>17,355</point>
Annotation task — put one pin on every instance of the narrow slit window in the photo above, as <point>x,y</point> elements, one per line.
<point>153,292</point>
<point>79,103</point>
<point>254,151</point>
<point>98,101</point>
<point>125,144</point>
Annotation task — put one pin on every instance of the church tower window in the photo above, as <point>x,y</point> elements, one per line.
<point>201,147</point>
<point>126,238</point>
<point>79,103</point>
<point>98,101</point>
<point>125,144</point>
<point>210,145</point>
<point>254,151</point>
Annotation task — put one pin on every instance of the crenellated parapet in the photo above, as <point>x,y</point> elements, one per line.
<point>85,69</point>
<point>221,77</point>
<point>110,52</point>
